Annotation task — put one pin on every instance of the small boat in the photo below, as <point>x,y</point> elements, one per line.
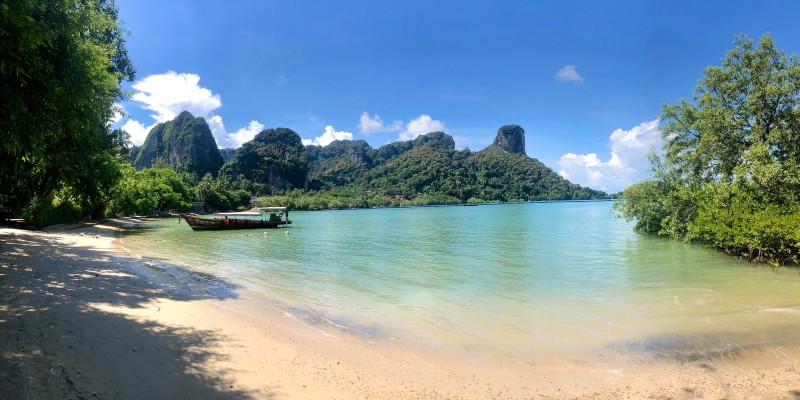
<point>256,218</point>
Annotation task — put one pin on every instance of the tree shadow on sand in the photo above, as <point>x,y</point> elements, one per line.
<point>66,347</point>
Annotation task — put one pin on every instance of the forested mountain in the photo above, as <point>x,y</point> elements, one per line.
<point>500,175</point>
<point>430,164</point>
<point>276,161</point>
<point>343,162</point>
<point>185,144</point>
<point>227,154</point>
<point>346,162</point>
<point>431,167</point>
<point>275,158</point>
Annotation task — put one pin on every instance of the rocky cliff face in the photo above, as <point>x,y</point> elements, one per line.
<point>185,144</point>
<point>511,139</point>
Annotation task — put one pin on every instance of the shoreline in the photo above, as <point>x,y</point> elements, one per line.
<point>83,319</point>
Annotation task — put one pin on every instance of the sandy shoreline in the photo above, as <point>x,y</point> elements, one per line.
<point>80,320</point>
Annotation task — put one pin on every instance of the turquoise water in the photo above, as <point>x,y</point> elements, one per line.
<point>516,280</point>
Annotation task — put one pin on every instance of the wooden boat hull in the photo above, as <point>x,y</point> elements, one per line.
<point>199,223</point>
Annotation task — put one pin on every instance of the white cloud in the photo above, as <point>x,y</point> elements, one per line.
<point>171,93</point>
<point>420,126</point>
<point>628,162</point>
<point>234,139</point>
<point>569,73</point>
<point>137,131</point>
<point>328,136</point>
<point>368,125</point>
<point>281,80</point>
<point>217,127</point>
<point>461,141</point>
<point>245,134</point>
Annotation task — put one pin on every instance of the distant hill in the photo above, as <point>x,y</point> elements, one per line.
<point>185,144</point>
<point>341,163</point>
<point>430,164</point>
<point>275,161</point>
<point>274,157</point>
<point>346,162</point>
<point>505,176</point>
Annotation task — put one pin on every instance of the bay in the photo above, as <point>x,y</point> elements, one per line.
<point>526,281</point>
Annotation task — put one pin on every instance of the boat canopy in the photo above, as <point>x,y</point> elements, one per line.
<point>254,212</point>
<point>270,209</point>
<point>239,214</point>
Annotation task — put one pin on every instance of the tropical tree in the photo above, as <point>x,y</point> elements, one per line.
<point>730,174</point>
<point>61,63</point>
<point>147,191</point>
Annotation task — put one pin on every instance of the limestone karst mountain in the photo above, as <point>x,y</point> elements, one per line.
<point>185,144</point>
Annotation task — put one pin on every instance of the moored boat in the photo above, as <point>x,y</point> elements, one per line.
<point>262,217</point>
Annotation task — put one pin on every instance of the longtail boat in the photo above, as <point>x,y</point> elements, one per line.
<point>262,217</point>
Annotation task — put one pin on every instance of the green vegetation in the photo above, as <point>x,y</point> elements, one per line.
<point>730,174</point>
<point>60,160</point>
<point>275,158</point>
<point>141,192</point>
<point>60,68</point>
<point>428,170</point>
<point>220,194</point>
<point>331,199</point>
<point>185,143</point>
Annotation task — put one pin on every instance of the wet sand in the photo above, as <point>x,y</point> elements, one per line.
<point>80,319</point>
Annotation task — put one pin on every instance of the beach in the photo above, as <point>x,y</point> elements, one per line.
<point>82,319</point>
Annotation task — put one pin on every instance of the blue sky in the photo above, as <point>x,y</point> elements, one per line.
<point>586,80</point>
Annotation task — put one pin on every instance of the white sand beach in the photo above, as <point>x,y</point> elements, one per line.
<point>80,318</point>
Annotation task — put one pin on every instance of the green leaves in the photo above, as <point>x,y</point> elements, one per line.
<point>185,143</point>
<point>275,157</point>
<point>149,190</point>
<point>739,223</point>
<point>60,67</point>
<point>644,202</point>
<point>730,176</point>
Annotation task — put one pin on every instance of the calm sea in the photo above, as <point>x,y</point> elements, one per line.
<point>516,280</point>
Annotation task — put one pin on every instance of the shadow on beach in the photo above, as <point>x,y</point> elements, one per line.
<point>58,338</point>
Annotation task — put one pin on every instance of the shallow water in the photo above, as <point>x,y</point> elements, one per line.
<point>516,280</point>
